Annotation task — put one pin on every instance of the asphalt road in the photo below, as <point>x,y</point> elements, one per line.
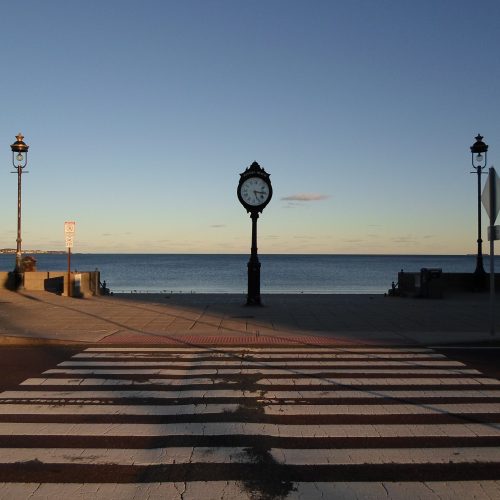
<point>17,363</point>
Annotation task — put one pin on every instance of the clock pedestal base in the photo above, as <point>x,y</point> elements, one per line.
<point>253,297</point>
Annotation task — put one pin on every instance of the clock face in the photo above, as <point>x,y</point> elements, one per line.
<point>254,191</point>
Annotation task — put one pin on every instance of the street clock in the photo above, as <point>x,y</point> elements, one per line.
<point>254,189</point>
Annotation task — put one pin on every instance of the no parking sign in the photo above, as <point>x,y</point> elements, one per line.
<point>69,233</point>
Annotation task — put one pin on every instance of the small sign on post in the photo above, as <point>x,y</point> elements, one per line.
<point>69,227</point>
<point>69,234</point>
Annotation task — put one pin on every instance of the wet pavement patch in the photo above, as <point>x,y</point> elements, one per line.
<point>271,485</point>
<point>249,411</point>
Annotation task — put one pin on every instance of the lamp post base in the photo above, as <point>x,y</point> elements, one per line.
<point>15,281</point>
<point>480,276</point>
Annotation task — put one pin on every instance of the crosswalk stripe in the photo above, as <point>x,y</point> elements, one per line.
<point>99,409</point>
<point>227,455</point>
<point>226,408</point>
<point>303,382</point>
<point>262,350</point>
<point>344,371</point>
<point>317,431</point>
<point>209,382</point>
<point>240,393</point>
<point>378,381</point>
<point>204,372</point>
<point>298,380</point>
<point>381,409</point>
<point>256,356</point>
<point>279,364</point>
<point>230,490</point>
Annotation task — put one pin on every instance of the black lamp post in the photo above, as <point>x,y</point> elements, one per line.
<point>19,160</point>
<point>479,151</point>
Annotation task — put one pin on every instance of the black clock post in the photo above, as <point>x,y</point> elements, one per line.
<point>253,296</point>
<point>254,192</point>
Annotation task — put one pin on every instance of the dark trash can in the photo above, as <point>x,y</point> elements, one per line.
<point>431,284</point>
<point>28,264</point>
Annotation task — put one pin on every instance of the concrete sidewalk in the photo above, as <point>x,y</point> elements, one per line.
<point>212,319</point>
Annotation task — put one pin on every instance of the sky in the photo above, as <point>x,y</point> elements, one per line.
<point>140,116</point>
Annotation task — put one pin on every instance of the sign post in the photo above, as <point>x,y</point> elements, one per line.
<point>69,233</point>
<point>491,202</point>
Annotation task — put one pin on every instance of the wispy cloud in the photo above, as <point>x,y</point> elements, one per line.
<point>411,239</point>
<point>306,197</point>
<point>405,240</point>
<point>218,225</point>
<point>353,241</point>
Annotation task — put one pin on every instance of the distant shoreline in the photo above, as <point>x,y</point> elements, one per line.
<point>9,251</point>
<point>416,255</point>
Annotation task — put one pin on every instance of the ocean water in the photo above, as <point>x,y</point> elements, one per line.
<point>186,273</point>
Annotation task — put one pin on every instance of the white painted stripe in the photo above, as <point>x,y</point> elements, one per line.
<point>250,429</point>
<point>356,371</point>
<point>95,407</point>
<point>119,382</point>
<point>247,364</point>
<point>237,393</point>
<point>244,355</point>
<point>159,371</point>
<point>381,409</point>
<point>259,349</point>
<point>230,490</point>
<point>117,394</point>
<point>136,457</point>
<point>243,455</point>
<point>302,382</point>
<point>378,381</point>
<point>205,372</point>
<point>381,456</point>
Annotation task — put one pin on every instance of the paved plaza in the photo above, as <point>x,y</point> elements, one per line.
<point>224,319</point>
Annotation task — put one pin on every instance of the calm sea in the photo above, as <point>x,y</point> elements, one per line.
<point>227,273</point>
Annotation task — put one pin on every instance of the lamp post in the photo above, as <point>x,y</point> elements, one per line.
<point>19,160</point>
<point>479,152</point>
